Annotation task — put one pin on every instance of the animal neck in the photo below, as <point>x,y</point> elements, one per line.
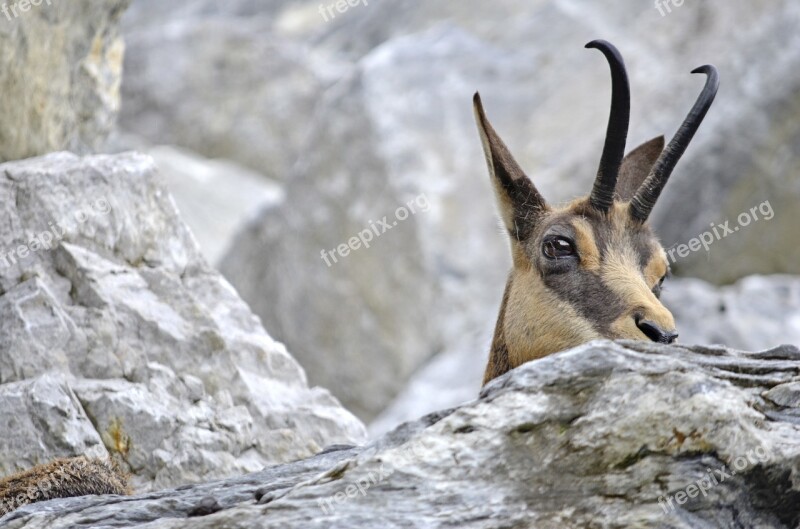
<point>499,362</point>
<point>529,325</point>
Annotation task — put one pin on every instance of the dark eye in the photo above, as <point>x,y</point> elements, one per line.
<point>558,247</point>
<point>658,287</point>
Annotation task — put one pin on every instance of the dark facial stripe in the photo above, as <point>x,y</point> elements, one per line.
<point>583,288</point>
<point>585,292</point>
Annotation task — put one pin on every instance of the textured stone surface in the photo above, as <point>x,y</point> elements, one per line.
<point>60,74</point>
<point>217,79</point>
<point>42,418</point>
<point>101,282</point>
<point>215,198</point>
<point>591,437</point>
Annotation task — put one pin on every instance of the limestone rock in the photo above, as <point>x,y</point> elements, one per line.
<point>614,435</point>
<point>753,314</point>
<point>103,283</point>
<point>215,198</point>
<point>60,74</point>
<point>222,84</point>
<point>42,419</point>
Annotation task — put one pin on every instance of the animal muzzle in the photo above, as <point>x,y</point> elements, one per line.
<point>656,332</point>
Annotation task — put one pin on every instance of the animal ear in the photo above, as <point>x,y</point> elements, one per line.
<point>636,166</point>
<point>519,201</point>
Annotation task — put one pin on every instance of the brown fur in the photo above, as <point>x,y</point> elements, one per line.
<point>62,478</point>
<point>549,305</point>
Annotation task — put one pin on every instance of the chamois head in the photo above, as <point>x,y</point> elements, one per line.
<point>593,268</point>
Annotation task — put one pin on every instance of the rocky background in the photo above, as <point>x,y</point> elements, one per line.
<point>276,130</point>
<point>327,124</point>
<point>116,335</point>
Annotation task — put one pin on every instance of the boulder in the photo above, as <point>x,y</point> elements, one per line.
<point>216,198</point>
<point>60,74</point>
<point>118,337</point>
<point>753,314</point>
<point>616,435</point>
<point>218,80</point>
<point>741,170</point>
<point>392,301</point>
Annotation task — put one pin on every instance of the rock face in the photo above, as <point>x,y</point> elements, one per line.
<point>398,124</point>
<point>753,314</point>
<point>214,78</point>
<point>116,336</point>
<point>613,435</point>
<point>370,307</point>
<point>60,73</point>
<point>757,313</point>
<point>215,198</point>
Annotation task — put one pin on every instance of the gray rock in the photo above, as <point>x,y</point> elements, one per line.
<point>743,157</point>
<point>414,288</point>
<point>220,82</point>
<point>215,198</point>
<point>60,74</point>
<point>103,283</point>
<point>755,313</point>
<point>42,419</point>
<point>613,435</point>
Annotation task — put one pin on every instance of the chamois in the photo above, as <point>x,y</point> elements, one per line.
<point>592,268</point>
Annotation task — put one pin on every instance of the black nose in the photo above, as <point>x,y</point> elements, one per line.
<point>654,332</point>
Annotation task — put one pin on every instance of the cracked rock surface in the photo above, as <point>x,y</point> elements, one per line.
<point>587,438</point>
<point>60,75</point>
<point>116,336</point>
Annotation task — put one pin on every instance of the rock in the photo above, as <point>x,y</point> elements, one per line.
<point>405,80</point>
<point>259,90</point>
<point>629,434</point>
<point>216,198</point>
<point>753,314</point>
<point>757,313</point>
<point>43,419</point>
<point>159,357</point>
<point>742,160</point>
<point>60,74</point>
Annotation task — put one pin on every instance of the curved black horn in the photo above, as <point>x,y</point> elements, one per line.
<point>645,198</point>
<point>614,149</point>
